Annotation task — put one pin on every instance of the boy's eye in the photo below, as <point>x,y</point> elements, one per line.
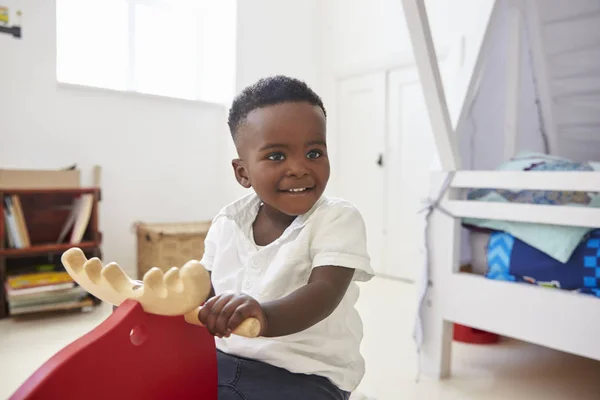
<point>314,154</point>
<point>276,157</point>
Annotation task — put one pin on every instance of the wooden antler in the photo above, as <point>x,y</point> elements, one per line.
<point>177,292</point>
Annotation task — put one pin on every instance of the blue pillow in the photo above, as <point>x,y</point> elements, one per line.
<point>509,259</point>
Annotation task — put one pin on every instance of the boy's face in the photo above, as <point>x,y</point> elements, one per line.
<point>283,156</point>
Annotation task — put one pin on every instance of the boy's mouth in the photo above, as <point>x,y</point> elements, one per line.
<point>298,190</point>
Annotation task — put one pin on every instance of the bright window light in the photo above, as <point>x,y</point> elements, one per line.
<point>175,48</point>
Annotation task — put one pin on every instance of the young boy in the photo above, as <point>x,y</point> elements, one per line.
<point>286,255</point>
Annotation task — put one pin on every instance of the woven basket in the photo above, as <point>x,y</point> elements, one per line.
<point>166,245</point>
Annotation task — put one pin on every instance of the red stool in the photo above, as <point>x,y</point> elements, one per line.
<point>467,334</point>
<point>131,355</point>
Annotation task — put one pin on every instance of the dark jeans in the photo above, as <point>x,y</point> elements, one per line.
<point>244,379</point>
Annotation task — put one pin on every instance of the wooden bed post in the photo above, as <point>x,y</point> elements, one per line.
<point>443,255</point>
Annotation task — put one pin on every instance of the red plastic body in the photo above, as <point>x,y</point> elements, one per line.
<point>466,334</point>
<point>131,355</point>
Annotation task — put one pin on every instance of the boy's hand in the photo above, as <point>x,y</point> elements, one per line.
<point>225,312</point>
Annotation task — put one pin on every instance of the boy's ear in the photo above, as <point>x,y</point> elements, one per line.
<point>241,174</point>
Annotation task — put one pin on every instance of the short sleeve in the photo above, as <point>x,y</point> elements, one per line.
<point>210,244</point>
<point>340,239</point>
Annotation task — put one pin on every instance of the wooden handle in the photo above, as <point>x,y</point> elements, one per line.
<point>249,328</point>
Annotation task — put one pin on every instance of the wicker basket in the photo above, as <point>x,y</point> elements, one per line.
<point>166,245</point>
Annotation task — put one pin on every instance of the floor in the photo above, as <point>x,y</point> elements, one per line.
<point>510,370</point>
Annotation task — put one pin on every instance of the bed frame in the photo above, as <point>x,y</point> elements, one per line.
<point>548,317</point>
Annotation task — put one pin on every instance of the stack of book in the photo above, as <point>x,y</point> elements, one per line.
<point>44,291</point>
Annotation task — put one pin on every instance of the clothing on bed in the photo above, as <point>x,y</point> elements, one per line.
<point>510,259</point>
<point>556,241</point>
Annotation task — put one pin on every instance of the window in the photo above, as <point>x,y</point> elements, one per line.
<point>176,48</point>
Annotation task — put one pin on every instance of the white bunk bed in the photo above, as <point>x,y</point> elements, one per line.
<point>554,318</point>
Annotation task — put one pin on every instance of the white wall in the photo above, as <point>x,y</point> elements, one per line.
<point>369,33</point>
<point>279,37</point>
<point>159,156</point>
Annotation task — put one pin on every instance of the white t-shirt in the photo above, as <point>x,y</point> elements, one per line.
<point>331,233</point>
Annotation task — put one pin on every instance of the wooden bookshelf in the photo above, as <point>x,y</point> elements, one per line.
<point>45,212</point>
<point>46,249</point>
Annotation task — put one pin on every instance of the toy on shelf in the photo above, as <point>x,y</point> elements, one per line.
<point>176,292</point>
<point>151,347</point>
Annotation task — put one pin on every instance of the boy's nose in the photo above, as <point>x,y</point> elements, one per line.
<point>297,168</point>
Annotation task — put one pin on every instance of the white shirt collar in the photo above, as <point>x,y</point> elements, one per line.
<point>244,211</point>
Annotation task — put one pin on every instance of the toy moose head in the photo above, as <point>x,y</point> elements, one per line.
<point>179,291</point>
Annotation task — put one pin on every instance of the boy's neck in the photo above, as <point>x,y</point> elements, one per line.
<point>269,225</point>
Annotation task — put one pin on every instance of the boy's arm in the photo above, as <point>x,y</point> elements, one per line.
<point>293,313</point>
<point>308,305</point>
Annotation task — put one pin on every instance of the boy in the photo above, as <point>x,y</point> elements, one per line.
<point>286,255</point>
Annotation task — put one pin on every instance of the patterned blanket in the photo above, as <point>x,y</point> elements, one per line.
<point>510,259</point>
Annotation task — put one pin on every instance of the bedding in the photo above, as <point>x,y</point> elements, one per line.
<point>558,242</point>
<point>510,259</point>
<point>525,159</point>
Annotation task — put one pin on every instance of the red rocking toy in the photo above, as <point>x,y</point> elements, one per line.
<point>152,347</point>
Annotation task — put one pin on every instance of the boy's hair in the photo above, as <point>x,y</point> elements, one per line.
<point>270,91</point>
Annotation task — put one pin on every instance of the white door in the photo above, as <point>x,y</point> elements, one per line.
<point>410,154</point>
<point>359,171</point>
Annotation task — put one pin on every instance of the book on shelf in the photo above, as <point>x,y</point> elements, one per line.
<point>83,303</point>
<point>73,229</point>
<point>78,219</point>
<point>16,228</point>
<point>37,280</point>
<point>20,217</point>
<point>44,291</point>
